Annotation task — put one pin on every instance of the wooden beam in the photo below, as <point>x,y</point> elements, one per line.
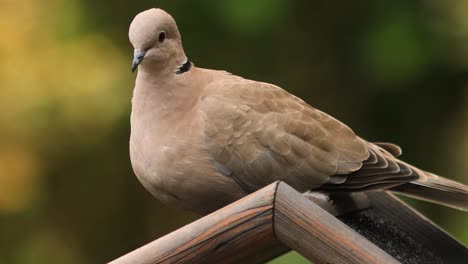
<point>317,235</point>
<point>275,219</point>
<point>244,232</point>
<point>236,233</point>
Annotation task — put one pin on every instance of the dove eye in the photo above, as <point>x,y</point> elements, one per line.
<point>162,36</point>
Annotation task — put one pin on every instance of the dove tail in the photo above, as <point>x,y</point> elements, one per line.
<point>433,188</point>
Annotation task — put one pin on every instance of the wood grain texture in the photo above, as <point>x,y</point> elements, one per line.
<point>317,235</point>
<point>372,228</point>
<point>238,233</point>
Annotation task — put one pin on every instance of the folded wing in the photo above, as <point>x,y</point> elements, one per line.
<point>258,133</point>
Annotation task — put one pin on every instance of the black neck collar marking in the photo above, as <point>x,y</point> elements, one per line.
<point>184,68</point>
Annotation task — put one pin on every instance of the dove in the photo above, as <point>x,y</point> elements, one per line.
<point>201,139</point>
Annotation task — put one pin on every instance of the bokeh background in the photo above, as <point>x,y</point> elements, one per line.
<point>393,70</point>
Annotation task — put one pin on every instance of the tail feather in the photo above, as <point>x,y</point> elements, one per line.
<point>433,188</point>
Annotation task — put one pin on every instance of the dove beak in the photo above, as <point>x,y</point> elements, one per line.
<point>138,57</point>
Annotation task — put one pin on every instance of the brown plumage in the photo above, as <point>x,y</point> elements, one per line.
<point>203,138</point>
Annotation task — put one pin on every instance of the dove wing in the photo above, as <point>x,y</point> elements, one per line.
<point>258,133</point>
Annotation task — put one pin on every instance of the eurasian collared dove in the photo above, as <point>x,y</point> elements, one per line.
<point>201,139</point>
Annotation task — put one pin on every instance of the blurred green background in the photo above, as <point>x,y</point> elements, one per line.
<point>393,70</point>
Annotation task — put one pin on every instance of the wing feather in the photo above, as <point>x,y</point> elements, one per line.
<point>260,133</point>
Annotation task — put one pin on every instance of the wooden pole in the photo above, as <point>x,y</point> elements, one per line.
<point>318,236</point>
<point>236,233</point>
<point>275,219</point>
<point>243,233</point>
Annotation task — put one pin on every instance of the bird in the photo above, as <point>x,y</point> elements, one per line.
<point>201,139</point>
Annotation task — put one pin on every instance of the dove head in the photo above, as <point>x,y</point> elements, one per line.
<point>156,40</point>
